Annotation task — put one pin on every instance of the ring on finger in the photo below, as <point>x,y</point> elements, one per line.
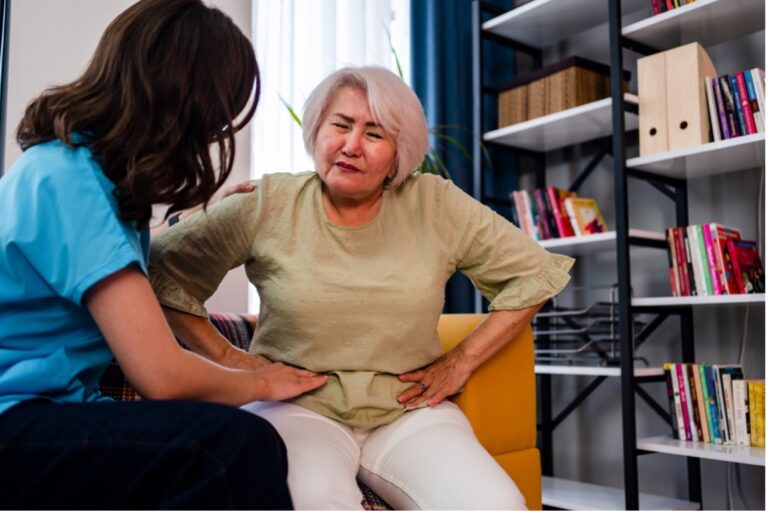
<point>422,386</point>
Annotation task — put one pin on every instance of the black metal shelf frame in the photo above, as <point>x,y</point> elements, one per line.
<point>674,189</point>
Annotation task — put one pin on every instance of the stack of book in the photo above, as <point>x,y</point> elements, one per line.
<point>552,213</point>
<point>714,404</point>
<point>736,103</point>
<point>710,259</point>
<point>660,6</point>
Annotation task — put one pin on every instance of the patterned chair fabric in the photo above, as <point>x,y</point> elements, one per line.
<point>238,329</point>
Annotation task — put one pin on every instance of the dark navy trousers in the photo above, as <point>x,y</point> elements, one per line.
<point>140,455</point>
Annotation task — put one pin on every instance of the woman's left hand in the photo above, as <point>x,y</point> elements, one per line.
<point>434,383</point>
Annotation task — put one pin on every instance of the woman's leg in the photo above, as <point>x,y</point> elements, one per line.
<point>139,455</point>
<point>430,459</point>
<point>323,457</point>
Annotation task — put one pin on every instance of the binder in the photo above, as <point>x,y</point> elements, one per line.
<point>687,112</point>
<point>652,98</point>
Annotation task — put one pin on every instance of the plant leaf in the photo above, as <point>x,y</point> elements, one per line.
<point>290,110</point>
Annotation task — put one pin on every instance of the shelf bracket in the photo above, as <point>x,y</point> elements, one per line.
<point>604,147</point>
<point>583,395</point>
<point>649,329</point>
<point>654,405</point>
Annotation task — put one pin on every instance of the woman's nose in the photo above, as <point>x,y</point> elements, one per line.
<point>352,144</point>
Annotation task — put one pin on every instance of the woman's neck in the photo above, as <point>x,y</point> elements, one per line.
<point>347,212</point>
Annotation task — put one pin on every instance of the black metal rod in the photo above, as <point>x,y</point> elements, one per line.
<point>493,9</point>
<point>648,243</point>
<point>649,329</point>
<point>665,190</point>
<point>637,46</point>
<point>5,29</point>
<point>652,177</point>
<point>626,340</point>
<point>583,395</point>
<point>511,43</point>
<point>576,184</point>
<point>654,405</point>
<point>524,151</point>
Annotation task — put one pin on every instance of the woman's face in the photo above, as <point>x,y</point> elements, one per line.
<point>353,154</point>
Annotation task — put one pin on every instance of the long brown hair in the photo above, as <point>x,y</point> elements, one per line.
<point>167,81</point>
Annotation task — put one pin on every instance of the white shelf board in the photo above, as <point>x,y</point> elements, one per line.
<point>564,128</point>
<point>593,371</point>
<point>684,301</point>
<point>723,452</point>
<point>707,21</point>
<point>572,495</point>
<point>738,153</point>
<point>541,23</point>
<point>593,243</point>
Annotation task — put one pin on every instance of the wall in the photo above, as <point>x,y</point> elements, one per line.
<point>52,41</point>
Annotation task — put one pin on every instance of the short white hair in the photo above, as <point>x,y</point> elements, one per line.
<point>393,105</point>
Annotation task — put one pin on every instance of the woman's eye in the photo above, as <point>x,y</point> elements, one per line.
<point>375,135</point>
<point>340,125</point>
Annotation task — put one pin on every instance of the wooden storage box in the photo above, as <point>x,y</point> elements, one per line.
<point>563,85</point>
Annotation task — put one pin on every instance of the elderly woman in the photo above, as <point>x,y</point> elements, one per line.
<point>351,263</point>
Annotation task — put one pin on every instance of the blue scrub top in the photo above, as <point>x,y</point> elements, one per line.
<point>60,233</point>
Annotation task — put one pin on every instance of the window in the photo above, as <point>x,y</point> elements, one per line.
<point>298,43</point>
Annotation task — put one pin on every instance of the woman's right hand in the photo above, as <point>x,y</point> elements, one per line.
<point>281,382</point>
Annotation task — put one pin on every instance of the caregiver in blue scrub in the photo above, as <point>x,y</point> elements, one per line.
<point>167,82</point>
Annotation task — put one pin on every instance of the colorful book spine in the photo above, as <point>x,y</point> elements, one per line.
<point>671,260</point>
<point>746,106</point>
<point>721,416</point>
<point>678,403</point>
<point>687,417</point>
<point>671,398</point>
<point>759,84</point>
<point>709,248</point>
<point>737,105</point>
<point>690,376</point>
<point>703,260</point>
<point>712,108</point>
<point>757,112</point>
<point>709,378</point>
<point>701,409</point>
<point>740,411</point>
<point>729,106</point>
<point>701,369</point>
<point>724,132</point>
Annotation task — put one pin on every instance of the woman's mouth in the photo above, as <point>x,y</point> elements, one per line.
<point>347,167</point>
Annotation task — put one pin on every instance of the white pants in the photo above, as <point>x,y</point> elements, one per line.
<point>428,459</point>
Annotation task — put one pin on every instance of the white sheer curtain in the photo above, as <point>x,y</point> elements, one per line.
<point>298,43</point>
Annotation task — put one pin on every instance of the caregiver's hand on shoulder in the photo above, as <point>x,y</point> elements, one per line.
<point>434,383</point>
<point>281,381</point>
<point>239,359</point>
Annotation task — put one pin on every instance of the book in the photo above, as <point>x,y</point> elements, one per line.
<point>747,266</point>
<point>727,374</point>
<point>709,379</point>
<point>701,369</point>
<point>513,210</point>
<point>556,197</point>
<point>703,260</point>
<point>672,261</point>
<point>728,105</point>
<point>585,215</point>
<point>685,279</point>
<point>691,384</point>
<point>701,409</point>
<point>740,114</point>
<point>542,222</point>
<point>721,416</point>
<point>681,434</point>
<point>741,411</point>
<point>714,123</point>
<point>746,105</point>
<point>756,391</point>
<point>709,249</point>
<point>756,111</point>
<point>721,235</point>
<point>684,402</point>
<point>722,117</point>
<point>671,399</point>
<point>758,81</point>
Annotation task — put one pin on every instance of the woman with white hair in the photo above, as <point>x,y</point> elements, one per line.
<point>351,263</point>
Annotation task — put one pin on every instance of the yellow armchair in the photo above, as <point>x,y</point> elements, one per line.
<point>500,403</point>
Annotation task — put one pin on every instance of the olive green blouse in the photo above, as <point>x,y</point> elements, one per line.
<point>361,303</point>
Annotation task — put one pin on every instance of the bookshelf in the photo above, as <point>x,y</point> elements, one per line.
<point>707,21</point>
<point>541,24</point>
<point>595,243</point>
<point>565,128</point>
<point>722,452</point>
<point>739,153</point>
<point>688,301</point>
<point>572,495</point>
